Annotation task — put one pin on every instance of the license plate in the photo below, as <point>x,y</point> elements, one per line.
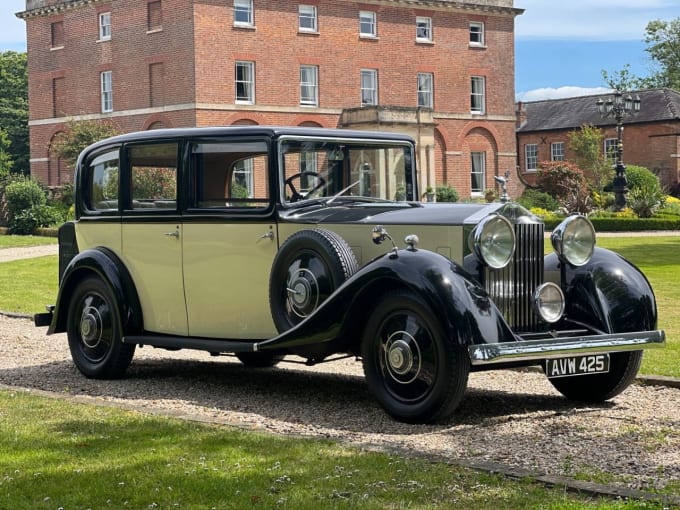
<point>577,365</point>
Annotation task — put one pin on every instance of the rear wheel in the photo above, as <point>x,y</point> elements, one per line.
<point>414,371</point>
<point>95,333</point>
<point>623,367</point>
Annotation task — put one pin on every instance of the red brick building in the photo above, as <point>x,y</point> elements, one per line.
<point>651,138</point>
<point>440,70</point>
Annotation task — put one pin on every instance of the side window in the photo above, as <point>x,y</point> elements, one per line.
<point>230,174</point>
<point>102,182</point>
<point>153,176</point>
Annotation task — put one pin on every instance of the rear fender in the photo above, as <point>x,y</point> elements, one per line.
<point>106,265</point>
<point>468,315</point>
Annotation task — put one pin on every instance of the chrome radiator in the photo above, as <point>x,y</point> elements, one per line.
<point>512,287</point>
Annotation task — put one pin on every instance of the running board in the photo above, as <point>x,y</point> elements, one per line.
<point>196,343</point>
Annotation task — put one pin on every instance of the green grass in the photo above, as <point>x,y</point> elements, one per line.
<point>659,259</point>
<point>21,241</point>
<point>57,454</point>
<point>28,285</point>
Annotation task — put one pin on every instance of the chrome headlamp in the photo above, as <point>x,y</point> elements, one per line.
<point>574,240</point>
<point>493,241</point>
<point>549,302</point>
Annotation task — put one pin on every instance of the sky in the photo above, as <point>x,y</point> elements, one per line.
<point>561,46</point>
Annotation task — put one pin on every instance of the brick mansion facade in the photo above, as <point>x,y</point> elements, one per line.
<point>440,70</point>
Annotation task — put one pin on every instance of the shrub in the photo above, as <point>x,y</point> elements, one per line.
<point>566,183</point>
<point>640,176</point>
<point>533,198</point>
<point>446,193</point>
<point>674,189</point>
<point>646,198</point>
<point>27,221</point>
<point>21,195</point>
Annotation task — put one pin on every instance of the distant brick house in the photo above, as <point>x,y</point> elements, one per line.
<point>650,139</point>
<point>440,70</point>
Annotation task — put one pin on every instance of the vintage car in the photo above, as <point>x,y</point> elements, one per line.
<point>266,242</point>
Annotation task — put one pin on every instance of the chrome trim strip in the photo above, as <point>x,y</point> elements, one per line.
<point>528,350</point>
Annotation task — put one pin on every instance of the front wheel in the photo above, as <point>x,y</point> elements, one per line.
<point>95,333</point>
<point>623,367</point>
<point>415,372</point>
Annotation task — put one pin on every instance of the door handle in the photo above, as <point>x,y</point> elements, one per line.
<point>268,235</point>
<point>174,234</point>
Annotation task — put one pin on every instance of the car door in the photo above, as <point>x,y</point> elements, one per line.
<point>229,240</point>
<point>152,234</point>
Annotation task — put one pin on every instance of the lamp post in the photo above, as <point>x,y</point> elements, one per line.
<point>618,107</point>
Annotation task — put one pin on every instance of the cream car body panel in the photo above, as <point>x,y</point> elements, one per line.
<point>152,252</point>
<point>226,275</point>
<point>91,234</point>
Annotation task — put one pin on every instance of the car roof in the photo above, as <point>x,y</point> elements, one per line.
<point>270,131</point>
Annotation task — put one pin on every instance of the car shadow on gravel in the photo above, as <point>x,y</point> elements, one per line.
<point>315,400</point>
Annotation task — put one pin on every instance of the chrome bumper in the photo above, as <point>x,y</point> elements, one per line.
<point>528,350</point>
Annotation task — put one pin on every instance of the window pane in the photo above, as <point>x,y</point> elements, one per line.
<point>424,28</point>
<point>308,85</point>
<point>245,82</point>
<point>557,151</point>
<point>477,173</point>
<point>477,96</point>
<point>369,87</point>
<point>153,176</point>
<point>307,18</point>
<point>106,91</point>
<point>105,25</point>
<point>154,15</point>
<point>367,23</point>
<point>531,156</point>
<point>243,12</point>
<point>477,33</point>
<point>57,32</point>
<point>103,187</point>
<point>231,174</point>
<point>425,90</point>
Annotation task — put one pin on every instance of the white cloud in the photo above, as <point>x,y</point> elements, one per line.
<point>591,20</point>
<point>560,93</point>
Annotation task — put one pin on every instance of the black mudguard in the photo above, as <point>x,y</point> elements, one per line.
<point>609,293</point>
<point>106,265</point>
<point>467,313</point>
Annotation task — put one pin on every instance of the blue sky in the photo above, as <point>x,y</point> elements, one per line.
<point>561,45</point>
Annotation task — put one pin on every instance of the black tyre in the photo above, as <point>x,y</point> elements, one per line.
<point>414,371</point>
<point>310,265</point>
<point>623,367</point>
<point>95,333</point>
<point>259,359</point>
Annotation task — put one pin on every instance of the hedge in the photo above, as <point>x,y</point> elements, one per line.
<point>624,224</point>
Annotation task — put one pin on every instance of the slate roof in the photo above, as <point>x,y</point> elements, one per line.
<point>657,105</point>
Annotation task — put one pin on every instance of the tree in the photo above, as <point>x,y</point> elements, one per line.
<point>586,144</point>
<point>80,134</point>
<point>6,162</point>
<point>663,40</point>
<point>14,107</point>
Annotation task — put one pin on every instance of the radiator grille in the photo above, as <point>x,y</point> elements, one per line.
<point>511,288</point>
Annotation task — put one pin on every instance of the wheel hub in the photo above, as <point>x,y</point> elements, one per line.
<point>303,292</point>
<point>402,357</point>
<point>90,330</point>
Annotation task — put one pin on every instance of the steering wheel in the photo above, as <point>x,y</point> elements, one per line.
<point>296,195</point>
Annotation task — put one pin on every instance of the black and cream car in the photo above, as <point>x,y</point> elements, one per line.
<point>266,242</point>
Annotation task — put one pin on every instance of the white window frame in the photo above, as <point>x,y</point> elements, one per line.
<point>531,157</point>
<point>307,13</point>
<point>105,26</point>
<point>610,148</point>
<point>245,168</point>
<point>478,95</point>
<point>248,82</point>
<point>423,29</point>
<point>557,151</point>
<point>307,84</point>
<point>106,80</point>
<point>369,87</point>
<point>477,35</point>
<point>425,90</point>
<point>244,7</point>
<point>480,172</point>
<point>368,20</point>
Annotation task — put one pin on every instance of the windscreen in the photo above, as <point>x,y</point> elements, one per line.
<point>363,170</point>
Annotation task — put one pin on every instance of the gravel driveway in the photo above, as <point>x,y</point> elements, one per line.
<point>508,417</point>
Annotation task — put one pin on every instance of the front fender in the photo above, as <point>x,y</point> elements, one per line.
<point>467,313</point>
<point>105,264</point>
<point>609,293</point>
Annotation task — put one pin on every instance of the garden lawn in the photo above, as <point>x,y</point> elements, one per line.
<point>10,241</point>
<point>57,454</point>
